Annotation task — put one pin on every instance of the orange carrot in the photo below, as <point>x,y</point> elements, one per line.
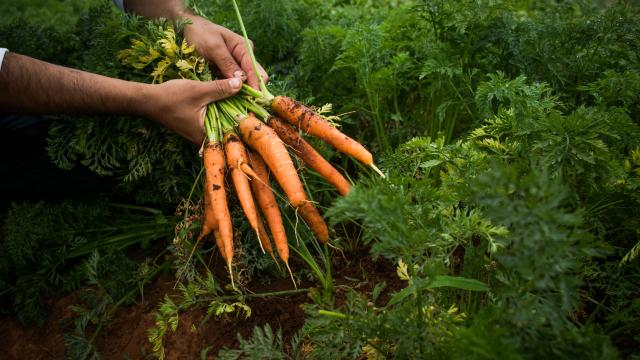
<point>236,156</point>
<point>213,156</point>
<point>309,155</point>
<point>268,204</point>
<point>267,143</point>
<point>209,221</point>
<point>310,122</point>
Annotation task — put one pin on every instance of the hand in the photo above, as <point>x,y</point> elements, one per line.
<point>180,105</point>
<point>224,48</point>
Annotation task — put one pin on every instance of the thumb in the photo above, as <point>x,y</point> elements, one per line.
<point>220,89</point>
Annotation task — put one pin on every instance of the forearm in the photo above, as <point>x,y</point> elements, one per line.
<point>31,86</point>
<point>169,9</point>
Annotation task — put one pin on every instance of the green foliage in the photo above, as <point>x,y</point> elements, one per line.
<point>403,331</point>
<point>201,292</point>
<point>507,206</point>
<point>264,344</point>
<point>513,215</point>
<point>42,242</point>
<point>166,319</point>
<point>102,296</point>
<point>60,14</point>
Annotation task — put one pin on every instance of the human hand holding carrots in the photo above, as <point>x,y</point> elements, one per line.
<point>246,134</point>
<point>220,46</point>
<point>224,49</point>
<point>180,105</point>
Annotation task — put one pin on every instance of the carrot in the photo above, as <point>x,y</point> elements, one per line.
<point>267,143</point>
<point>309,155</point>
<point>310,122</point>
<point>209,221</point>
<point>268,204</point>
<point>236,156</point>
<point>213,157</point>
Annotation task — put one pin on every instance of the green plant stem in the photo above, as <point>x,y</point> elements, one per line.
<point>135,207</point>
<point>248,90</point>
<point>257,295</point>
<point>257,109</point>
<point>263,88</point>
<point>209,121</point>
<point>193,187</point>
<point>334,314</point>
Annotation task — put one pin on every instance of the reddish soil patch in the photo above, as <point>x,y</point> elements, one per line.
<point>126,336</point>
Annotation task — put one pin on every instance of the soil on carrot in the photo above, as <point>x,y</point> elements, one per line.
<point>126,336</point>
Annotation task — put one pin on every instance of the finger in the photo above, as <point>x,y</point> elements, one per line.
<point>240,53</point>
<point>252,79</point>
<point>225,62</point>
<point>220,89</point>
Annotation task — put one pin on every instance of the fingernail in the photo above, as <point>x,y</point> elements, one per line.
<point>235,83</point>
<point>238,74</point>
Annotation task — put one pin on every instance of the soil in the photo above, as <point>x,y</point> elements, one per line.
<point>126,336</point>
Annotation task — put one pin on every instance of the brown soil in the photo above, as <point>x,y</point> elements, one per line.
<point>126,335</point>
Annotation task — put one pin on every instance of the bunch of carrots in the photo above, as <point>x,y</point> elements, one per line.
<point>250,142</point>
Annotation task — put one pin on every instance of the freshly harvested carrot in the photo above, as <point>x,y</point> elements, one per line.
<point>267,143</point>
<point>236,156</point>
<point>213,157</point>
<point>310,122</point>
<point>209,221</point>
<point>268,204</point>
<point>309,155</point>
<point>312,217</point>
<point>272,150</point>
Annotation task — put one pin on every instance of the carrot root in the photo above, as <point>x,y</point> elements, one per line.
<point>266,142</point>
<point>268,205</point>
<point>214,163</point>
<point>375,168</point>
<point>291,274</point>
<point>310,122</point>
<point>309,155</point>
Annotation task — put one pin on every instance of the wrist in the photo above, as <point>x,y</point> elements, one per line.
<point>141,100</point>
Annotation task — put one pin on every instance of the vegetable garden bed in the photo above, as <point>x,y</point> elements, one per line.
<point>507,223</point>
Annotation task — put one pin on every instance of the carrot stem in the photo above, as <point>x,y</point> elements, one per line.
<point>254,63</point>
<point>248,90</point>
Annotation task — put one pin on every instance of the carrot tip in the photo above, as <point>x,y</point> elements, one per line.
<point>276,262</point>
<point>247,170</point>
<point>291,274</point>
<point>233,285</point>
<point>260,241</point>
<point>375,168</point>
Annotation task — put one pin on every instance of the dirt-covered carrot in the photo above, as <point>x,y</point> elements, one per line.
<point>271,148</point>
<point>213,156</point>
<point>310,122</point>
<point>309,155</point>
<point>237,156</point>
